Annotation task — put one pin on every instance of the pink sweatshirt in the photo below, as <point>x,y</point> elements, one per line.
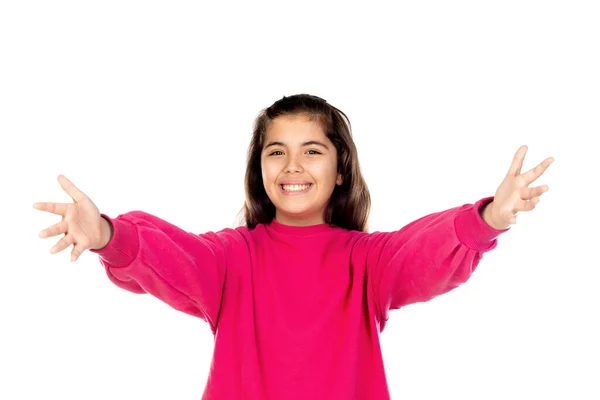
<point>296,311</point>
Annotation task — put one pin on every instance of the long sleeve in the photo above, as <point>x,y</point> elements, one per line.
<point>428,257</point>
<point>149,255</point>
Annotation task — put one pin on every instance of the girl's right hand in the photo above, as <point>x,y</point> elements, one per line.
<point>82,225</point>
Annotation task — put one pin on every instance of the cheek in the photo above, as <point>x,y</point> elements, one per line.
<point>325,169</point>
<point>269,172</point>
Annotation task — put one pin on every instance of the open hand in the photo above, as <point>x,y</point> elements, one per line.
<point>82,225</point>
<point>513,194</point>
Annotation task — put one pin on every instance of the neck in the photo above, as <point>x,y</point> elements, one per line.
<point>299,220</point>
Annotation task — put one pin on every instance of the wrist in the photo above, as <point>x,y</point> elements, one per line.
<point>487,215</point>
<point>106,230</point>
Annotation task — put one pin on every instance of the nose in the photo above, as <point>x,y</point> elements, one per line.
<point>293,165</point>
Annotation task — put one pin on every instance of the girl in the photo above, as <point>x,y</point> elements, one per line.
<point>296,297</point>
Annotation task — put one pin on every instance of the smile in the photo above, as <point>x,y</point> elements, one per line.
<point>295,189</point>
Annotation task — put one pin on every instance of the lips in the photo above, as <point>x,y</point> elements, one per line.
<point>295,183</point>
<point>295,188</point>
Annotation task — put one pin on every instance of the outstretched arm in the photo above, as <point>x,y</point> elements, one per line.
<point>149,255</point>
<point>440,251</point>
<point>144,254</point>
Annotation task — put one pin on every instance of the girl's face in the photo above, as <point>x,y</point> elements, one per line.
<point>299,170</point>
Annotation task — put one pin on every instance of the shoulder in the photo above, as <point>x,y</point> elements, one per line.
<point>242,236</point>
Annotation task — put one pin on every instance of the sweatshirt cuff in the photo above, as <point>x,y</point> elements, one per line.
<point>123,246</point>
<point>473,231</point>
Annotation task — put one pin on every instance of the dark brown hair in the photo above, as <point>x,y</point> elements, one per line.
<point>350,202</point>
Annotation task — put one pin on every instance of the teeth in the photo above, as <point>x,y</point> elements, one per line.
<point>294,188</point>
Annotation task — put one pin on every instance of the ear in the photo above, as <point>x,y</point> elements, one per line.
<point>339,179</point>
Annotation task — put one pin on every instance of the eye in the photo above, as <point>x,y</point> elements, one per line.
<point>276,153</point>
<point>314,152</point>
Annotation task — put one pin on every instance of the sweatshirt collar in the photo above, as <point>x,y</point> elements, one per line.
<point>299,230</point>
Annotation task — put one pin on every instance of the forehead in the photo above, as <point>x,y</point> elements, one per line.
<point>295,128</point>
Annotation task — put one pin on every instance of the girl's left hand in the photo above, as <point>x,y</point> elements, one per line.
<point>513,194</point>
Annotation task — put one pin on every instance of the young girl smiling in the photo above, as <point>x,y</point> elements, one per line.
<point>297,296</point>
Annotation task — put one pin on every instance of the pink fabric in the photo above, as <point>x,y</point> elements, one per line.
<point>297,311</point>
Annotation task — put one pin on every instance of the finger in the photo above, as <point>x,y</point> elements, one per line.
<point>55,229</point>
<point>517,163</point>
<point>62,244</point>
<point>76,252</point>
<point>528,193</point>
<point>54,208</point>
<point>76,194</point>
<point>534,173</point>
<point>528,205</point>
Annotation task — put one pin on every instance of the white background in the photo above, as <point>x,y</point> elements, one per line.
<point>149,106</point>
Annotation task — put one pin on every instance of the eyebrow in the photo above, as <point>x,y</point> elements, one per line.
<point>309,143</point>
